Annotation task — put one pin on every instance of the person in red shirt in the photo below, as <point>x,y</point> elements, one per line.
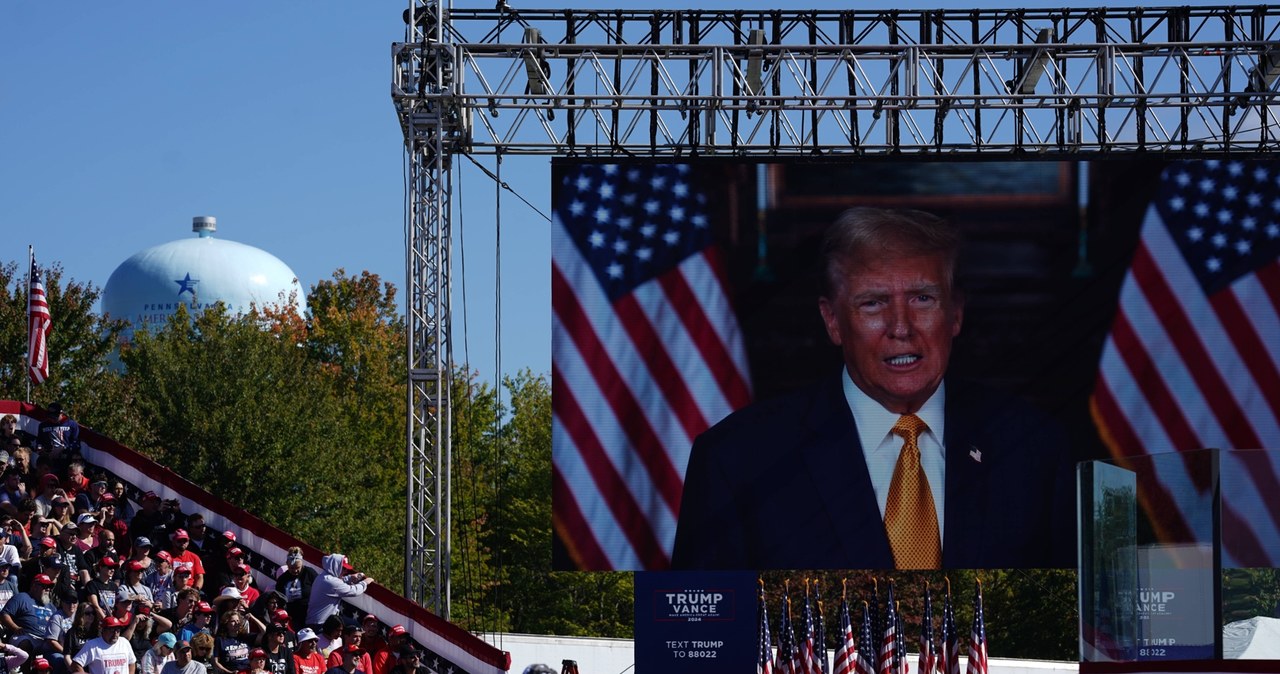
<point>184,558</point>
<point>388,656</point>
<point>351,637</point>
<point>307,660</point>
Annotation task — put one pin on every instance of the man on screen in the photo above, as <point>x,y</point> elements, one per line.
<point>891,464</point>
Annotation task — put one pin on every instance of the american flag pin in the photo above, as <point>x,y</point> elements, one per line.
<point>975,454</point>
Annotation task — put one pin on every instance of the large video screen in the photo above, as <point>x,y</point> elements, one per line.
<point>740,348</point>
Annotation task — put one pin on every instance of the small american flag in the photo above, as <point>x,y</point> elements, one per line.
<point>866,662</point>
<point>39,323</point>
<point>1191,359</point>
<point>949,653</point>
<point>977,636</point>
<point>646,355</point>
<point>928,659</point>
<point>847,652</point>
<point>784,661</point>
<point>890,656</point>
<point>808,649</point>
<point>764,658</point>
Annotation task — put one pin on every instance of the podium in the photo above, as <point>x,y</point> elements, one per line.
<point>1160,536</point>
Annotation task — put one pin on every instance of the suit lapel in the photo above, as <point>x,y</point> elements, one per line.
<point>832,455</point>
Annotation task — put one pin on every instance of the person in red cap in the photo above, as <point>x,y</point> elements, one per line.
<point>26,615</point>
<point>201,619</point>
<point>160,579</point>
<point>108,654</point>
<point>184,558</point>
<point>40,664</point>
<point>242,580</point>
<point>352,635</point>
<point>387,657</point>
<point>372,641</point>
<point>352,656</point>
<point>257,661</point>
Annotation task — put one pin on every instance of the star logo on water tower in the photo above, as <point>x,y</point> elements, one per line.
<point>187,284</point>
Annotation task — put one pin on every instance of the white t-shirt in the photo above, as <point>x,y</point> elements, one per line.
<point>97,657</point>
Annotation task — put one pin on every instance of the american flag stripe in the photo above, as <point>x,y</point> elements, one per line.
<point>569,519</point>
<point>1242,493</point>
<point>40,323</point>
<point>1211,368</point>
<point>1192,358</point>
<point>704,317</point>
<point>616,513</point>
<point>645,339</point>
<point>616,386</point>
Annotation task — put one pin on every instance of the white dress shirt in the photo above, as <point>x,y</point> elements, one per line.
<point>880,447</point>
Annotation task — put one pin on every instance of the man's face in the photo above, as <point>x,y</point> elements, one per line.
<point>894,318</point>
<point>182,656</point>
<point>110,634</point>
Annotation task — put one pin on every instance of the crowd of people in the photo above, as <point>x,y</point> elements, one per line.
<point>91,583</point>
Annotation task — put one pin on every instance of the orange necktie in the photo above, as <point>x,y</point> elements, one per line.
<point>909,517</point>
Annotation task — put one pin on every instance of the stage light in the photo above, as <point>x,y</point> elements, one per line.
<point>755,63</point>
<point>1035,67</point>
<point>536,68</point>
<point>1265,73</point>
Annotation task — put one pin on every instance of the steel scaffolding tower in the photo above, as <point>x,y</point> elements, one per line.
<point>1177,81</point>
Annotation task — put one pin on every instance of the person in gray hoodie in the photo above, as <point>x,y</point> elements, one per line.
<point>339,580</point>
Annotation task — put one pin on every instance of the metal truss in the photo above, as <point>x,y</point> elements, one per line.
<point>668,83</point>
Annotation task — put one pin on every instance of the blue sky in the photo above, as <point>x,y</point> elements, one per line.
<point>121,121</point>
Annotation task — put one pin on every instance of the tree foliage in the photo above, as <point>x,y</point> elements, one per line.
<point>80,347</point>
<point>502,519</point>
<point>298,424</point>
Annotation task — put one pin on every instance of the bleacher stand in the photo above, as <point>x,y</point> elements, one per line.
<point>137,546</point>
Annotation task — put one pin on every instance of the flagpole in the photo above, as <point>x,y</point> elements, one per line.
<point>26,365</point>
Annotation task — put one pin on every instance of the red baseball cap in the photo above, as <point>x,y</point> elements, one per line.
<point>257,653</point>
<point>164,554</point>
<point>112,621</point>
<point>41,663</point>
<point>179,534</point>
<point>48,542</point>
<point>204,607</point>
<point>107,561</point>
<point>43,579</point>
<point>397,630</point>
<point>135,565</point>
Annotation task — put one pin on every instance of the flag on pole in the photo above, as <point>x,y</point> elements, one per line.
<point>646,355</point>
<point>901,635</point>
<point>1193,358</point>
<point>808,656</point>
<point>890,656</point>
<point>820,632</point>
<point>867,646</point>
<point>928,659</point>
<point>784,660</point>
<point>977,636</point>
<point>38,325</point>
<point>847,651</point>
<point>877,627</point>
<point>764,658</point>
<point>949,652</point>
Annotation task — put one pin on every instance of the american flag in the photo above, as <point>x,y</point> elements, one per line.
<point>646,354</point>
<point>847,651</point>
<point>901,635</point>
<point>977,636</point>
<point>890,655</point>
<point>39,323</point>
<point>1191,360</point>
<point>764,656</point>
<point>928,659</point>
<point>808,649</point>
<point>820,631</point>
<point>949,651</point>
<point>866,662</point>
<point>785,660</point>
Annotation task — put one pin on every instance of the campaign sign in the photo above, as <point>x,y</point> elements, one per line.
<point>695,621</point>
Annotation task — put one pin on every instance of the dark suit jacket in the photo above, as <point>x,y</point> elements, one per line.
<point>782,484</point>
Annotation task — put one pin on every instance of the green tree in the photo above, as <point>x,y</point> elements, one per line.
<point>80,347</point>
<point>502,516</point>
